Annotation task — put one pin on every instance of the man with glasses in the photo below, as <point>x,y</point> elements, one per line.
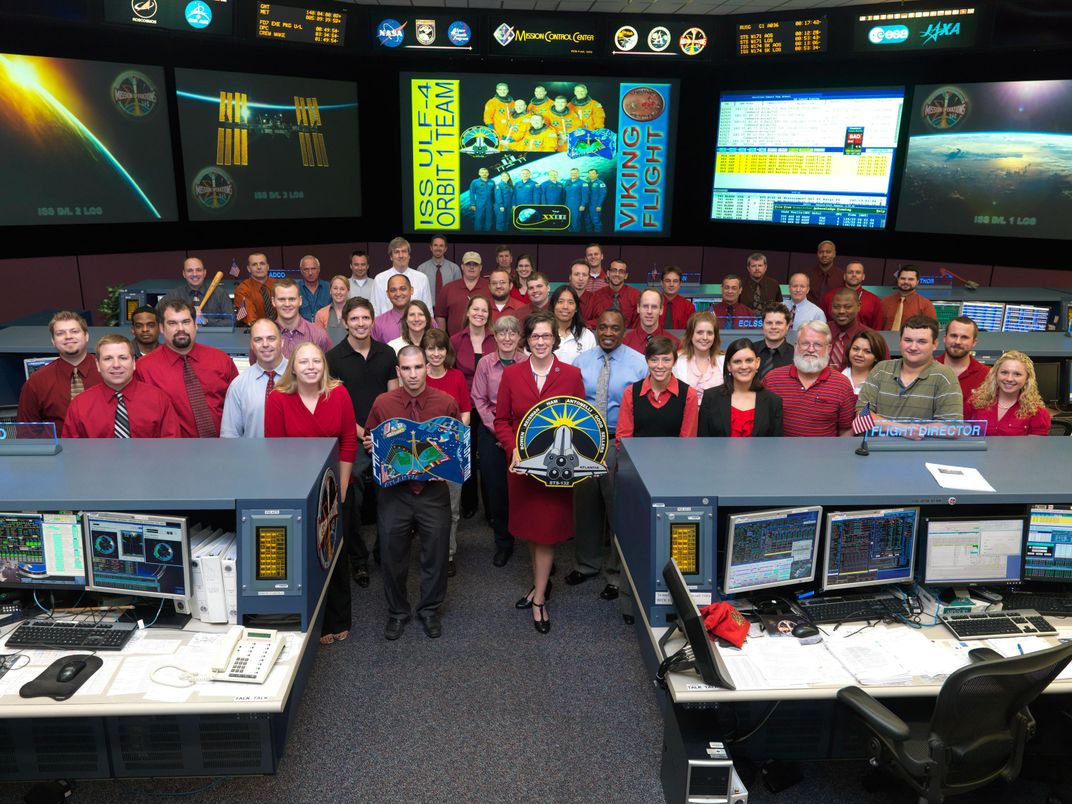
<point>614,295</point>
<point>451,304</point>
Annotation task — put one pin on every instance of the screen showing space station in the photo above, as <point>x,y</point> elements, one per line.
<point>989,159</point>
<point>83,142</point>
<point>537,154</point>
<point>267,146</point>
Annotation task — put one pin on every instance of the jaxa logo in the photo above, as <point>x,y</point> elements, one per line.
<point>936,30</point>
<point>426,31</point>
<point>504,34</point>
<point>542,217</point>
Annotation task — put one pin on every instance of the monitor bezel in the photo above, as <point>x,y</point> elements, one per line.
<point>142,519</point>
<point>730,533</point>
<point>709,663</point>
<point>870,513</point>
<point>42,585</point>
<point>1027,579</point>
<point>943,582</point>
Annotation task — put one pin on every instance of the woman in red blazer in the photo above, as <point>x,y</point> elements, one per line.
<point>540,515</point>
<point>309,403</point>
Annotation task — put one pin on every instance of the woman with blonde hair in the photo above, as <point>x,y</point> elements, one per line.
<point>700,362</point>
<point>1008,399</point>
<point>329,317</point>
<point>309,403</point>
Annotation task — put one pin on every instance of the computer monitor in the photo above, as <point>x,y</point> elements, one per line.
<point>869,548</point>
<point>988,316</point>
<point>41,551</point>
<point>1048,556</point>
<point>32,364</point>
<point>137,554</point>
<point>771,548</point>
<point>946,311</point>
<point>1026,318</point>
<point>973,552</point>
<point>699,654</point>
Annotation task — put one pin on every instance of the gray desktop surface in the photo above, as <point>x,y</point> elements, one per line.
<point>28,341</point>
<point>152,474</point>
<point>769,472</point>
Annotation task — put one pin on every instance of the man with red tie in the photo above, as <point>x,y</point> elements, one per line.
<point>120,406</point>
<point>870,304</point>
<point>193,375</point>
<point>676,309</point>
<point>48,393</point>
<point>615,295</point>
<point>845,324</point>
<point>649,321</point>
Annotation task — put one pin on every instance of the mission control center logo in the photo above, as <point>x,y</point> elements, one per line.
<point>505,34</point>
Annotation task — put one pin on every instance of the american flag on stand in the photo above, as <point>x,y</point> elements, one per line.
<point>234,268</point>
<point>864,421</point>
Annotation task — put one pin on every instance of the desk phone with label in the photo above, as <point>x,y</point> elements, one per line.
<point>246,655</point>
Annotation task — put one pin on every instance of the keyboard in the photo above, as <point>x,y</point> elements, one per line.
<point>846,608</point>
<point>54,635</point>
<point>1042,603</point>
<point>996,624</point>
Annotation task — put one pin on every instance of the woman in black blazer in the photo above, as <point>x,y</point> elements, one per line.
<point>741,407</point>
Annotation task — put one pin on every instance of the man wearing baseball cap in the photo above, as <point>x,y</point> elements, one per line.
<point>450,305</point>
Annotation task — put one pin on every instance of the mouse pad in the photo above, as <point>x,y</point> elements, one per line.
<point>48,685</point>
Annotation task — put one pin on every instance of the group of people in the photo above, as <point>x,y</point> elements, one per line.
<point>445,340</point>
<point>543,123</point>
<point>493,201</point>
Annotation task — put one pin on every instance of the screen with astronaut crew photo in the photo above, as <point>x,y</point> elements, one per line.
<point>538,154</point>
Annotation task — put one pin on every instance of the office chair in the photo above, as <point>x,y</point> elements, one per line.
<point>1060,427</point>
<point>977,731</point>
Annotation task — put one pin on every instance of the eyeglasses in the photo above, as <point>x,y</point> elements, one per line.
<point>538,337</point>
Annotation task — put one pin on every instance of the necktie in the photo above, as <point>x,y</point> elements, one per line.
<point>77,386</point>
<point>206,427</point>
<point>837,352</point>
<point>668,318</point>
<point>415,486</point>
<point>615,304</point>
<point>269,308</point>
<point>792,315</point>
<point>603,386</point>
<point>757,297</point>
<point>897,317</point>
<point>122,420</point>
<point>270,384</point>
<point>730,316</point>
<point>438,280</point>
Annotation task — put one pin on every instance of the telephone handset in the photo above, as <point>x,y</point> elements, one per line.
<point>246,655</point>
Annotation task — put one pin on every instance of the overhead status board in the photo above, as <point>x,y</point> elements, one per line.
<point>782,37</point>
<point>301,24</point>
<point>937,29</point>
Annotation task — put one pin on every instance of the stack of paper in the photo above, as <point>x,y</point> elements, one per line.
<point>921,656</point>
<point>869,661</point>
<point>766,663</point>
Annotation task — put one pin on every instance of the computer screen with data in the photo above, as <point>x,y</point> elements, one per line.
<point>946,311</point>
<point>138,554</point>
<point>1048,556</point>
<point>868,548</point>
<point>988,316</point>
<point>766,549</point>
<point>1026,318</point>
<point>963,552</point>
<point>41,550</point>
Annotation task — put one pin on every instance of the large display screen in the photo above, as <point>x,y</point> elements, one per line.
<point>817,158</point>
<point>537,154</point>
<point>268,146</point>
<point>83,142</point>
<point>782,37</point>
<point>989,159</point>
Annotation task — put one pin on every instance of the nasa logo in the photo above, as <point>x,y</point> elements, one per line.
<point>888,35</point>
<point>562,441</point>
<point>504,34</point>
<point>198,14</point>
<point>459,33</point>
<point>391,32</point>
<point>626,38</point>
<point>659,39</point>
<point>426,31</point>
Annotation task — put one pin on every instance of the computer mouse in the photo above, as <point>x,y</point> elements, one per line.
<point>805,630</point>
<point>70,670</point>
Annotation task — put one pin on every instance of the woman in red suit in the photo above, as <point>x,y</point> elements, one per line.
<point>540,515</point>
<point>1008,399</point>
<point>309,403</point>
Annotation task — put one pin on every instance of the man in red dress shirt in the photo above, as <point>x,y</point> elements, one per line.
<point>870,304</point>
<point>539,290</point>
<point>676,309</point>
<point>120,406</point>
<point>194,376</point>
<point>731,309</point>
<point>593,255</point>
<point>416,507</point>
<point>502,303</point>
<point>451,303</point>
<point>47,394</point>
<point>649,321</point>
<point>906,302</point>
<point>844,324</point>
<point>615,295</point>
<point>824,275</point>
<point>960,337</point>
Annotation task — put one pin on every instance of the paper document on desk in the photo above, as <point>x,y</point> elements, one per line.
<point>1026,644</point>
<point>964,478</point>
<point>869,661</point>
<point>919,655</point>
<point>785,663</point>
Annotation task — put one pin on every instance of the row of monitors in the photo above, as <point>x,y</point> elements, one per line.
<point>768,549</point>
<point>1000,316</point>
<point>139,554</point>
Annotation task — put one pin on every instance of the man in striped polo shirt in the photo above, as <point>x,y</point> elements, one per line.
<point>816,400</point>
<point>915,385</point>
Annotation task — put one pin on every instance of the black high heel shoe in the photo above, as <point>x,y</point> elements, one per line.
<point>542,625</point>
<point>526,601</point>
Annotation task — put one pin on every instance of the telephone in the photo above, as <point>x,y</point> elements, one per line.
<point>246,654</point>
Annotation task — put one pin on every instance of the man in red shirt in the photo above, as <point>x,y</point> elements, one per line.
<point>615,295</point>
<point>539,297</point>
<point>451,303</point>
<point>870,304</point>
<point>960,337</point>
<point>906,302</point>
<point>731,310</point>
<point>502,303</point>
<point>844,324</point>
<point>649,321</point>
<point>194,376</point>
<point>47,394</point>
<point>816,400</point>
<point>676,309</point>
<point>119,407</point>
<point>824,275</point>
<point>416,507</point>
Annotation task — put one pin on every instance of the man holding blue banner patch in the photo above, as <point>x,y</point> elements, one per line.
<point>913,386</point>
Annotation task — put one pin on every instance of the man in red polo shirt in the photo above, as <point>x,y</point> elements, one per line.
<point>816,400</point>
<point>649,321</point>
<point>960,336</point>
<point>870,304</point>
<point>615,295</point>
<point>451,303</point>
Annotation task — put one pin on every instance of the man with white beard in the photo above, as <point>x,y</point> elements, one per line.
<point>816,400</point>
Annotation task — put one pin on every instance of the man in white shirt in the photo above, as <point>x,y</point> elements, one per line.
<point>243,409</point>
<point>399,251</point>
<point>800,309</point>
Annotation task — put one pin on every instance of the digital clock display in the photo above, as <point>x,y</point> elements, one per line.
<point>308,26</point>
<point>782,37</point>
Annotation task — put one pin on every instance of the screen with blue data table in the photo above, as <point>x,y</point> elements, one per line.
<point>766,549</point>
<point>1048,556</point>
<point>868,548</point>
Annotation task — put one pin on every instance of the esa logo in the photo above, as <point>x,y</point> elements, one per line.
<point>888,34</point>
